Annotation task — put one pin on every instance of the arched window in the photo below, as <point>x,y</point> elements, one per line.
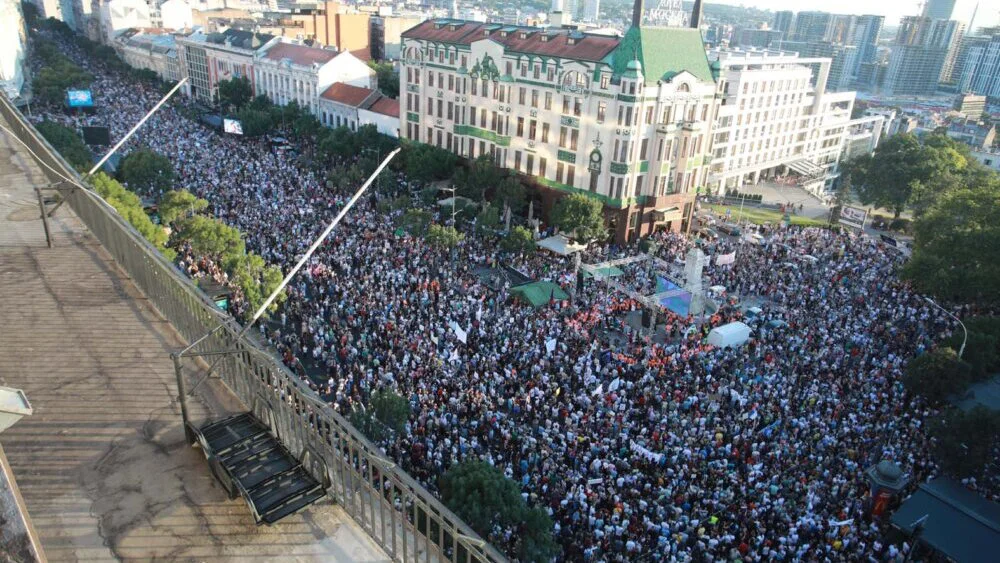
<point>575,81</point>
<point>683,87</point>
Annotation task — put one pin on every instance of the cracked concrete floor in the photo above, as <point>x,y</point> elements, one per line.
<point>102,463</point>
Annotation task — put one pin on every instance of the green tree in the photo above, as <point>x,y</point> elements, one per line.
<point>937,374</point>
<point>306,125</point>
<point>956,247</point>
<point>235,92</point>
<point>519,239</point>
<point>128,205</point>
<point>510,192</point>
<point>488,220</point>
<point>443,237</point>
<point>338,142</point>
<point>385,415</point>
<point>57,74</point>
<point>480,494</point>
<point>179,204</point>
<point>254,279</point>
<point>68,144</point>
<point>964,442</point>
<point>416,221</point>
<point>147,171</point>
<point>388,78</point>
<point>211,237</point>
<point>256,122</point>
<point>580,216</point>
<point>903,172</point>
<point>426,163</point>
<point>481,175</point>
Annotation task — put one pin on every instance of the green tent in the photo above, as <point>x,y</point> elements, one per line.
<point>539,293</point>
<point>605,272</point>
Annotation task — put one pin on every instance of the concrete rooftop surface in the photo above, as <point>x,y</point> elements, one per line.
<point>101,463</point>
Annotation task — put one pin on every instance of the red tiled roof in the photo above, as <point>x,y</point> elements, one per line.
<point>364,54</point>
<point>346,94</point>
<point>386,106</point>
<point>300,54</point>
<point>584,47</point>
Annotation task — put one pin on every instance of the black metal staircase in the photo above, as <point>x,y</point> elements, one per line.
<point>247,460</point>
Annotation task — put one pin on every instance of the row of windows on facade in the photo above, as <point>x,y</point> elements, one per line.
<point>273,81</point>
<point>568,136</point>
<point>751,86</point>
<point>501,92</point>
<point>565,173</point>
<point>336,120</point>
<point>574,79</point>
<point>571,105</point>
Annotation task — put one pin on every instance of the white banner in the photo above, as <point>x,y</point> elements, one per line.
<point>725,259</point>
<point>853,216</point>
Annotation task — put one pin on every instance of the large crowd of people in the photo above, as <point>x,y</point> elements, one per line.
<point>640,449</point>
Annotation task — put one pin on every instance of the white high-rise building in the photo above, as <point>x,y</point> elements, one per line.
<point>776,119</point>
<point>591,10</point>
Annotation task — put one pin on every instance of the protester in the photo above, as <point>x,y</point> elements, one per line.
<point>640,450</point>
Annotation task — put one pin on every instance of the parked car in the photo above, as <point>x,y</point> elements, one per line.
<point>708,234</point>
<point>730,229</point>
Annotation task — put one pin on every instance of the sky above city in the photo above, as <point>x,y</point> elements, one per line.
<point>893,10</point>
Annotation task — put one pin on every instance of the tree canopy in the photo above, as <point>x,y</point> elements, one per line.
<point>480,494</point>
<point>179,204</point>
<point>256,122</point>
<point>147,171</point>
<point>388,78</point>
<point>67,143</point>
<point>579,216</point>
<point>903,172</point>
<point>519,239</point>
<point>58,73</point>
<point>443,237</point>
<point>426,163</point>
<point>956,247</point>
<point>937,374</point>
<point>235,92</point>
<point>128,205</point>
<point>964,441</point>
<point>481,175</point>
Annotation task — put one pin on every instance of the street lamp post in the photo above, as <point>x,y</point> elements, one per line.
<point>965,331</point>
<point>454,197</point>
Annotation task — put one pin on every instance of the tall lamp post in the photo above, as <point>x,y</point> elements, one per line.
<point>965,337</point>
<point>454,200</point>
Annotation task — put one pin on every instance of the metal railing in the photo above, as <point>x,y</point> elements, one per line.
<point>399,513</point>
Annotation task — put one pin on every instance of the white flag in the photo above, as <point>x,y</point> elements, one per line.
<point>550,345</point>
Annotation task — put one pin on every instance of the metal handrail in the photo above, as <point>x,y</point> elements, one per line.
<point>302,420</point>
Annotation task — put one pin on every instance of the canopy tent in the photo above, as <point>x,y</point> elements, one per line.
<point>679,303</point>
<point>956,521</point>
<point>605,272</point>
<point>539,293</point>
<point>560,245</point>
<point>727,335</point>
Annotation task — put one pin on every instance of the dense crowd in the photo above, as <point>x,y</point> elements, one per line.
<point>639,449</point>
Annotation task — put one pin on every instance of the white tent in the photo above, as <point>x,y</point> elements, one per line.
<point>560,245</point>
<point>728,335</point>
